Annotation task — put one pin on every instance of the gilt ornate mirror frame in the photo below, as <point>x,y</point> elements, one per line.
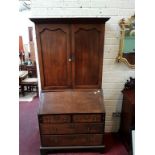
<point>126,52</point>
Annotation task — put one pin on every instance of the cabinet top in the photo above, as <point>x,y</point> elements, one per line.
<point>71,102</point>
<point>99,20</point>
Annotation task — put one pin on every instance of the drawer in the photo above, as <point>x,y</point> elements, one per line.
<point>88,118</point>
<point>71,128</point>
<point>72,140</point>
<point>54,119</point>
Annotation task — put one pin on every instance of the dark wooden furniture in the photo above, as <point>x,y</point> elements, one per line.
<point>22,76</point>
<point>31,85</point>
<point>130,57</point>
<point>30,82</point>
<point>32,70</point>
<point>71,121</point>
<point>128,113</point>
<point>70,52</point>
<point>71,116</point>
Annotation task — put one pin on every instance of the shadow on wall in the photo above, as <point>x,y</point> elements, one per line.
<point>116,116</point>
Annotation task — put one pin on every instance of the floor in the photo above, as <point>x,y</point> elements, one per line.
<point>29,96</point>
<point>29,133</point>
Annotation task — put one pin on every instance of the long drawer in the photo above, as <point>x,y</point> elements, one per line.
<point>72,140</point>
<point>71,128</point>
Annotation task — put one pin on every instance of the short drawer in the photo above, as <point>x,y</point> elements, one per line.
<point>72,140</point>
<point>87,118</point>
<point>71,128</point>
<point>54,119</point>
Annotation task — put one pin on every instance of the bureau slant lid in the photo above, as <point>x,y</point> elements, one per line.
<point>67,102</point>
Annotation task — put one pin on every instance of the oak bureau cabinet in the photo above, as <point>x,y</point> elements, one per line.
<point>71,112</point>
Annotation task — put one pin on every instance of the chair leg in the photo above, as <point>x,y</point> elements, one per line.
<point>37,90</point>
<point>30,89</point>
<point>22,90</point>
<point>27,87</point>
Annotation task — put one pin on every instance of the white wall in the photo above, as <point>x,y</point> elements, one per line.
<point>114,74</point>
<point>23,24</point>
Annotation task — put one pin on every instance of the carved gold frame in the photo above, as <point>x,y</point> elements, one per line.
<point>123,24</point>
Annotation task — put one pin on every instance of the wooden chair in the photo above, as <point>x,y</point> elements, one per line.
<point>32,71</point>
<point>22,76</point>
<point>31,85</point>
<point>31,82</point>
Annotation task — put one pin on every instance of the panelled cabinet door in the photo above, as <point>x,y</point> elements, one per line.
<point>54,53</point>
<point>87,53</point>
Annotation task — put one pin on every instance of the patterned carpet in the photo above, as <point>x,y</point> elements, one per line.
<point>29,134</point>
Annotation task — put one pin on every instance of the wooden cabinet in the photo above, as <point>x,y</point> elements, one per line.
<point>70,121</point>
<point>87,48</point>
<point>69,53</point>
<point>128,114</point>
<point>54,51</point>
<point>71,112</point>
